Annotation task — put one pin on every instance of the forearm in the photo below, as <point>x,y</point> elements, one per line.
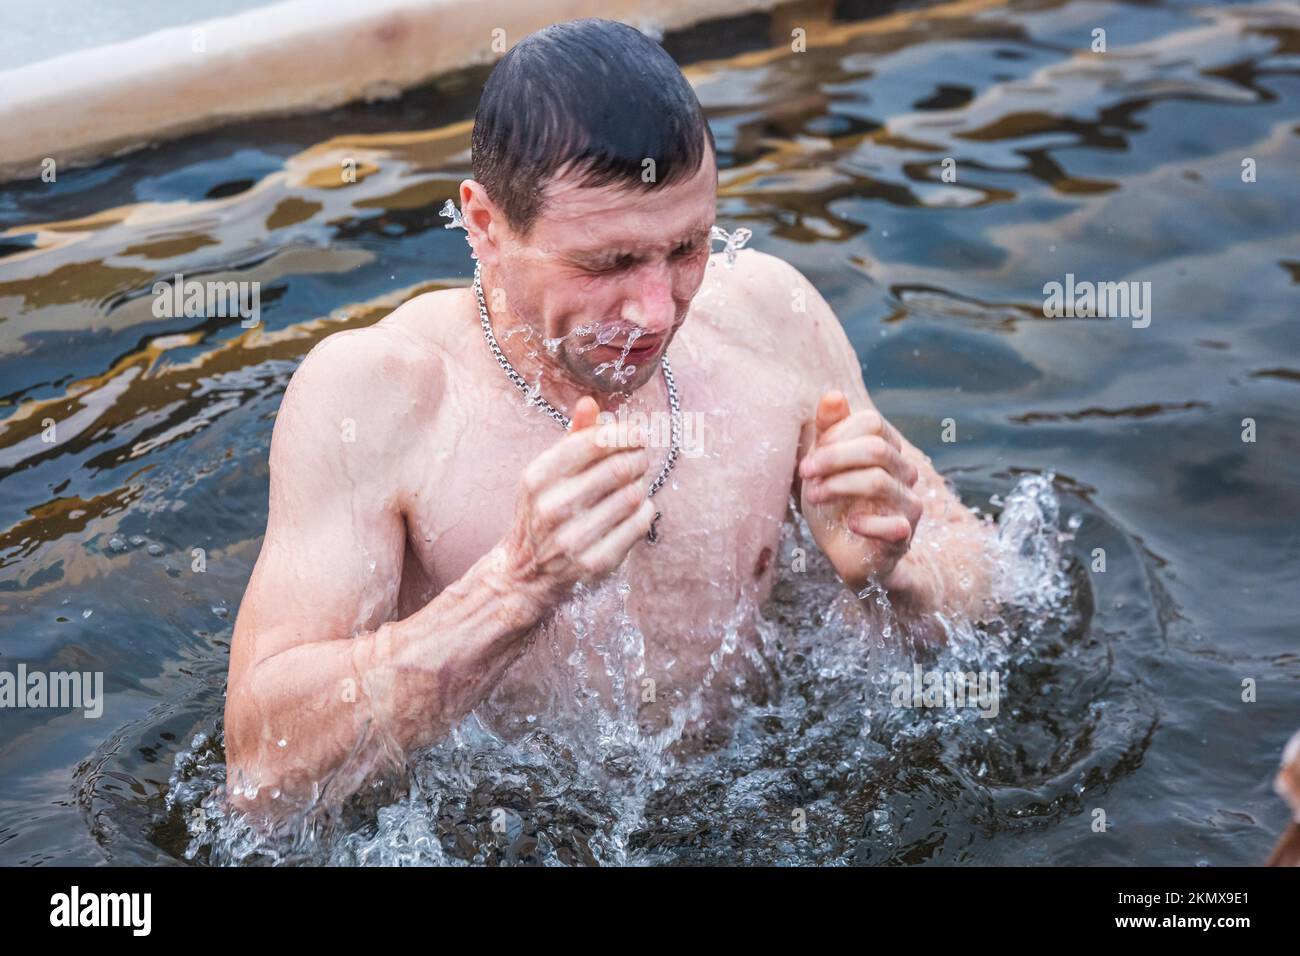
<point>948,568</point>
<point>339,710</point>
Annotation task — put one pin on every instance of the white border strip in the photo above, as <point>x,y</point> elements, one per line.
<point>297,55</point>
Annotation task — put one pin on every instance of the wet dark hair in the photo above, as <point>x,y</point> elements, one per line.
<point>595,96</point>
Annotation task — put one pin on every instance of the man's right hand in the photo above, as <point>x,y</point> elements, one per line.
<point>581,506</point>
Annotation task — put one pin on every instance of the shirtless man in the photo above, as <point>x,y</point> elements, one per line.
<point>426,523</point>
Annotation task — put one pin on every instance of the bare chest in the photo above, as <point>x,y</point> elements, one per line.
<point>674,603</point>
<point>722,504</point>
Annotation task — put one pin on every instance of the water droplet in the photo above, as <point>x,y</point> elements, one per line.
<point>733,241</point>
<point>449,211</point>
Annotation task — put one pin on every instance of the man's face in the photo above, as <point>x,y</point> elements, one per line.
<point>604,278</point>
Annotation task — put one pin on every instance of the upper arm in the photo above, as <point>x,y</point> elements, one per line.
<point>810,334</point>
<point>331,561</point>
<point>828,361</point>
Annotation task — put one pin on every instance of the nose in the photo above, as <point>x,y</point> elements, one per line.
<point>649,304</point>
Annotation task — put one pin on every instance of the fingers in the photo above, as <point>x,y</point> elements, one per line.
<point>580,449</point>
<point>583,503</point>
<point>609,551</point>
<point>832,408</point>
<point>894,529</point>
<point>585,414</point>
<point>601,522</point>
<point>866,422</point>
<point>569,496</point>
<point>863,451</point>
<point>874,484</point>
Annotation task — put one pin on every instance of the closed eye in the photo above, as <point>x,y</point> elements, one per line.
<point>618,264</point>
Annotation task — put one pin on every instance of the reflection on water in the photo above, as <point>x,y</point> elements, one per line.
<point>1121,688</point>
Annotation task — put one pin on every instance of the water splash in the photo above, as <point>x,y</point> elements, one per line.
<point>449,211</point>
<point>584,784</point>
<point>618,372</point>
<point>732,242</point>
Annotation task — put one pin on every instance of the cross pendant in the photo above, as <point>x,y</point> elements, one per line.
<point>653,535</point>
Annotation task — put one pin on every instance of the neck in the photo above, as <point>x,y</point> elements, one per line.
<point>523,347</point>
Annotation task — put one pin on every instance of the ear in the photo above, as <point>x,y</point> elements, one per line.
<point>483,221</point>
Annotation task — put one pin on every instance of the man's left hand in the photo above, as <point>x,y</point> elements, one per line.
<point>857,492</point>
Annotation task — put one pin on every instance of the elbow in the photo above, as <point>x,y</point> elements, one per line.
<point>241,752</point>
<point>254,770</point>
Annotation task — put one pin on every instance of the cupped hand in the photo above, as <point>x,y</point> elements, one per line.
<point>857,492</point>
<point>581,506</point>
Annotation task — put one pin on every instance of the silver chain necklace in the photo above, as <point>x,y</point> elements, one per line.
<point>535,398</point>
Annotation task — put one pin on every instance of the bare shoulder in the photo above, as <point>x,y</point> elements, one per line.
<point>780,307</point>
<point>756,273</point>
<point>426,326</point>
<point>359,389</point>
<point>769,289</point>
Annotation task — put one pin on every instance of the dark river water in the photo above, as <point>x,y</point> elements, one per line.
<point>1095,439</point>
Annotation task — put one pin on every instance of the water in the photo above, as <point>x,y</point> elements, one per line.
<point>732,242</point>
<point>1121,690</point>
<point>593,788</point>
